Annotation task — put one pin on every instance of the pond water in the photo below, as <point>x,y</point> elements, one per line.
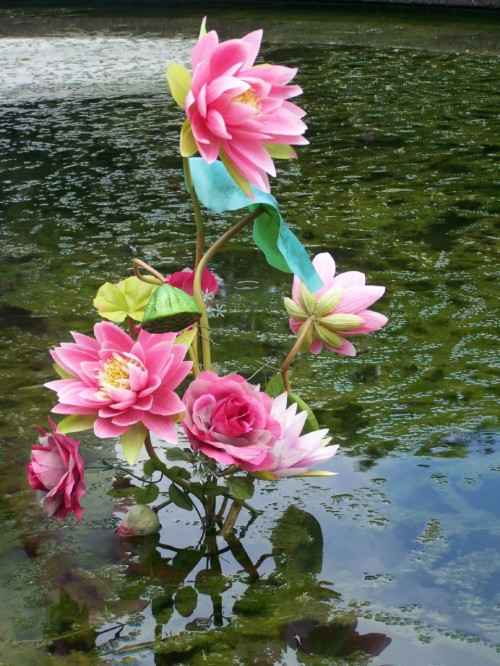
<point>393,561</point>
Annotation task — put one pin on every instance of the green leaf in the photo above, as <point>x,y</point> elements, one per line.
<point>132,441</point>
<point>76,423</point>
<point>174,454</point>
<point>179,81</point>
<point>127,298</point>
<point>180,497</point>
<point>147,494</point>
<point>311,423</point>
<point>149,468</point>
<point>219,192</point>
<point>62,372</point>
<point>240,487</point>
<point>181,473</point>
<point>275,386</point>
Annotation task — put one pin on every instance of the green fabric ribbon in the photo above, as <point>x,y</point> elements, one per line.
<point>217,191</point>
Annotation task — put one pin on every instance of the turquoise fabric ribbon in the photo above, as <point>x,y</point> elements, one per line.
<point>217,191</point>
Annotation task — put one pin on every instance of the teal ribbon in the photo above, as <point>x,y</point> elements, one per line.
<point>217,191</point>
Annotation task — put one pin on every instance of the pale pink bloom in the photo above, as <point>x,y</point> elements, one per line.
<point>236,110</point>
<point>293,452</point>
<point>123,382</point>
<point>230,420</point>
<point>339,308</point>
<point>56,472</point>
<point>185,280</point>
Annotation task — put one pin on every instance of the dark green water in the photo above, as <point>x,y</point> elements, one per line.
<point>395,560</point>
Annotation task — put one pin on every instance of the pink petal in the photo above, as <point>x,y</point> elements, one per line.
<point>163,426</point>
<point>359,298</point>
<point>104,428</point>
<point>204,48</point>
<point>373,321</point>
<point>350,279</point>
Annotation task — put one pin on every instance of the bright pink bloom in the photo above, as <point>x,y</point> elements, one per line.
<point>230,420</point>
<point>295,453</point>
<point>56,473</point>
<point>122,381</point>
<point>339,308</point>
<point>185,280</point>
<point>239,111</point>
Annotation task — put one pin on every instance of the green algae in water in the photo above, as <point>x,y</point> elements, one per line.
<point>399,181</point>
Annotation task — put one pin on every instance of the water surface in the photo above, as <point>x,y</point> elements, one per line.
<point>395,560</point>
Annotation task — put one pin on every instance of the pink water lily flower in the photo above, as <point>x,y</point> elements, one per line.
<point>56,472</point>
<point>339,308</point>
<point>293,452</point>
<point>237,111</point>
<point>126,385</point>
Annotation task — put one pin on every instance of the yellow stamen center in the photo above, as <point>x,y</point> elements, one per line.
<point>114,374</point>
<point>249,97</point>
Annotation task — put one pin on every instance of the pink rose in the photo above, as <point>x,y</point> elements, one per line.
<point>230,420</point>
<point>56,473</point>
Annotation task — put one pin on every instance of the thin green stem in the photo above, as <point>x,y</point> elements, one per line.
<point>293,353</point>
<point>198,296</point>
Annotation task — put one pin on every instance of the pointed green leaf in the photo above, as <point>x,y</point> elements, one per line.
<point>180,497</point>
<point>174,453</point>
<point>188,145</point>
<point>280,151</point>
<point>342,322</point>
<point>311,423</point>
<point>328,337</point>
<point>76,423</point>
<point>132,442</point>
<point>294,310</point>
<point>186,337</point>
<point>147,494</point>
<point>275,386</point>
<point>265,476</point>
<point>329,301</point>
<point>62,372</point>
<point>240,487</point>
<point>203,28</point>
<point>306,298</point>
<point>179,81</point>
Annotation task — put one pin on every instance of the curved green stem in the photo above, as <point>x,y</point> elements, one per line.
<point>198,296</point>
<point>293,353</point>
<point>200,232</point>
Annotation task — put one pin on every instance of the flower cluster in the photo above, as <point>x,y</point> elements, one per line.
<point>136,384</point>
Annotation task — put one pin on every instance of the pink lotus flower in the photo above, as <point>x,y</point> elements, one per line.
<point>230,420</point>
<point>127,385</point>
<point>295,453</point>
<point>56,473</point>
<point>339,308</point>
<point>236,110</point>
<point>185,280</point>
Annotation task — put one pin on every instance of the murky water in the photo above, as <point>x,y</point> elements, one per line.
<point>395,560</point>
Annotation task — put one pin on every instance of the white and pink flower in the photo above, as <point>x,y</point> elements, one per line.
<point>293,452</point>
<point>128,385</point>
